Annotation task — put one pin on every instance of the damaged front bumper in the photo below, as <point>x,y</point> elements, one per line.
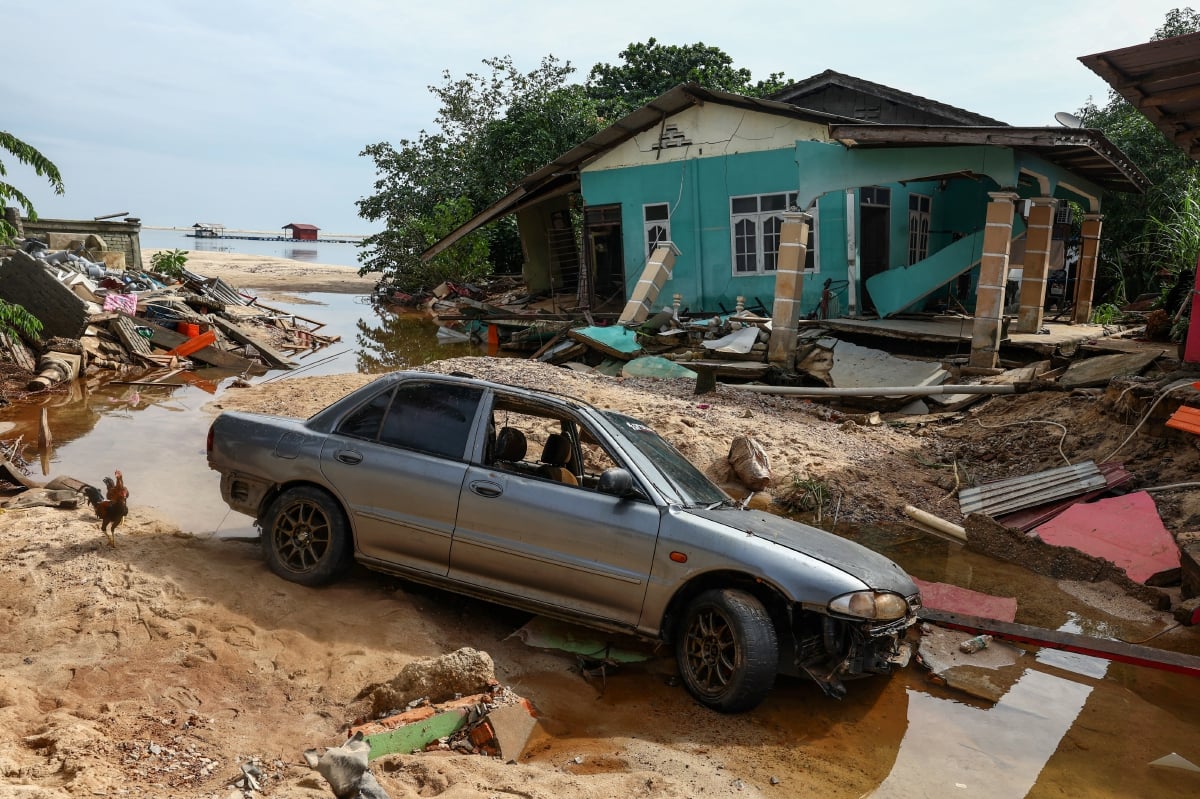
<point>831,648</point>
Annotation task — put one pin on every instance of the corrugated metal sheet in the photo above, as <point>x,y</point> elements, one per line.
<point>1006,496</point>
<point>1026,519</point>
<point>1186,419</point>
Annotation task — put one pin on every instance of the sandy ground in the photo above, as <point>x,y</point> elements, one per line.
<point>157,667</point>
<point>280,276</point>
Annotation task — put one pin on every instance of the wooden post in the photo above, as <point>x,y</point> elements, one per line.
<point>1085,281</point>
<point>993,270</point>
<point>1037,265</point>
<point>789,286</point>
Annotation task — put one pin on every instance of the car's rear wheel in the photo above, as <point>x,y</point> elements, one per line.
<point>727,650</point>
<point>305,537</point>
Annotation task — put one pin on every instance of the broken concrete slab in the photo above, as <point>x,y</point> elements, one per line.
<point>986,674</point>
<point>989,537</point>
<point>863,367</point>
<point>512,724</point>
<point>25,281</point>
<point>1091,372</point>
<point>1126,531</point>
<point>464,671</point>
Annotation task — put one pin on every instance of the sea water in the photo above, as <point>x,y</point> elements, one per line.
<point>316,252</point>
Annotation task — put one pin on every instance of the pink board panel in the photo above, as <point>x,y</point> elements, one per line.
<point>952,599</point>
<point>1124,530</point>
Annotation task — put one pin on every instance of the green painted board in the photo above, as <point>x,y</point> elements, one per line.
<point>613,340</point>
<point>417,735</point>
<point>895,289</point>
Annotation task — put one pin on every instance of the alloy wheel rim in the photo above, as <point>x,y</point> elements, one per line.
<point>302,536</point>
<point>711,651</point>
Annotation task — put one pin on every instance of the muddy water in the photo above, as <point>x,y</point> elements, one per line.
<point>156,435</point>
<point>1063,726</point>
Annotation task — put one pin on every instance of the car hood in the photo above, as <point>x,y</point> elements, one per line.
<point>877,571</point>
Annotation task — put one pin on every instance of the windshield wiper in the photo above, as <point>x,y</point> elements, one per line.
<point>733,503</point>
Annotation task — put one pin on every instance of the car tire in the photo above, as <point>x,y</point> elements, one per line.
<point>727,650</point>
<point>305,537</point>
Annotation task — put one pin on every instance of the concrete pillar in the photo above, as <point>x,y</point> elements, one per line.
<point>993,270</point>
<point>1085,280</point>
<point>789,285</point>
<point>1037,264</point>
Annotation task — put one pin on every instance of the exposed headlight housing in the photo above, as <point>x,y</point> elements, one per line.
<point>873,605</point>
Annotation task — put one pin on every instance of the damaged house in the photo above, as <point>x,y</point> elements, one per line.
<point>838,198</point>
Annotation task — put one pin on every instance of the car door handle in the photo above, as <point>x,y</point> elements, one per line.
<point>486,488</point>
<point>349,457</point>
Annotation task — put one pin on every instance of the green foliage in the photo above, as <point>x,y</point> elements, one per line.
<point>169,262</point>
<point>651,69</point>
<point>808,495</point>
<point>1131,251</point>
<point>494,127</point>
<point>1105,314</point>
<point>42,167</point>
<point>16,321</point>
<point>465,261</point>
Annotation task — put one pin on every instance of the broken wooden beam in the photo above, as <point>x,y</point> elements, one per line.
<point>270,355</point>
<point>1105,648</point>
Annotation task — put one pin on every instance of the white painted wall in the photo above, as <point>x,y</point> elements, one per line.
<point>714,130</point>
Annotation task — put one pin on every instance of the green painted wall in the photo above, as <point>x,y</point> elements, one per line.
<point>698,191</point>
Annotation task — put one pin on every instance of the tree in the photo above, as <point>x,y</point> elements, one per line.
<point>493,128</point>
<point>14,318</point>
<point>651,69</point>
<point>1134,251</point>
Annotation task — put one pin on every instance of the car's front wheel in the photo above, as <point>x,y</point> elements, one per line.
<point>727,650</point>
<point>305,537</point>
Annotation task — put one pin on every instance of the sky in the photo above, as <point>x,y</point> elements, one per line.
<point>252,113</point>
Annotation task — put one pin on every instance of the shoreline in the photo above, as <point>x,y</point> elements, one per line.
<point>283,275</point>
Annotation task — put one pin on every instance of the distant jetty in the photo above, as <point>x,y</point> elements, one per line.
<point>300,233</point>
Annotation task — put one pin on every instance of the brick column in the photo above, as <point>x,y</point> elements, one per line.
<point>789,285</point>
<point>1085,280</point>
<point>1037,265</point>
<point>993,269</point>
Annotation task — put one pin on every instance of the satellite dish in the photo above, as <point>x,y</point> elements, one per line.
<point>1068,120</point>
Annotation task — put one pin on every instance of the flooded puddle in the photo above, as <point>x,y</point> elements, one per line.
<point>1067,725</point>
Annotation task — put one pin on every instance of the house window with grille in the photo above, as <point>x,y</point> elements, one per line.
<point>754,225</point>
<point>656,221</point>
<point>918,227</point>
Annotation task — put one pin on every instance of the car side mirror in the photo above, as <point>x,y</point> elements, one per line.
<point>615,481</point>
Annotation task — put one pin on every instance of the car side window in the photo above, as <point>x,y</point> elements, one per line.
<point>428,417</point>
<point>366,421</point>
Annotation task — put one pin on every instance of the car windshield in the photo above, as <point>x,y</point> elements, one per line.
<point>693,487</point>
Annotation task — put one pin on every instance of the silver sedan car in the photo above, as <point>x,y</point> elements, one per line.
<point>539,501</point>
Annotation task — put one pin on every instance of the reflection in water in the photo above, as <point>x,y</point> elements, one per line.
<point>398,341</point>
<point>951,749</point>
<point>300,254</point>
<point>1086,665</point>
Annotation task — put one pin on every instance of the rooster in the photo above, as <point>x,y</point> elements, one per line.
<point>110,507</point>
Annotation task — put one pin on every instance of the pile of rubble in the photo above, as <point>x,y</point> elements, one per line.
<point>97,317</point>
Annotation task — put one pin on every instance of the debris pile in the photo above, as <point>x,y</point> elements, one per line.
<point>96,315</point>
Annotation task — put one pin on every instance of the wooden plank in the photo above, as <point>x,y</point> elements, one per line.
<point>1069,642</point>
<point>269,353</point>
<point>124,328</point>
<point>213,355</point>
